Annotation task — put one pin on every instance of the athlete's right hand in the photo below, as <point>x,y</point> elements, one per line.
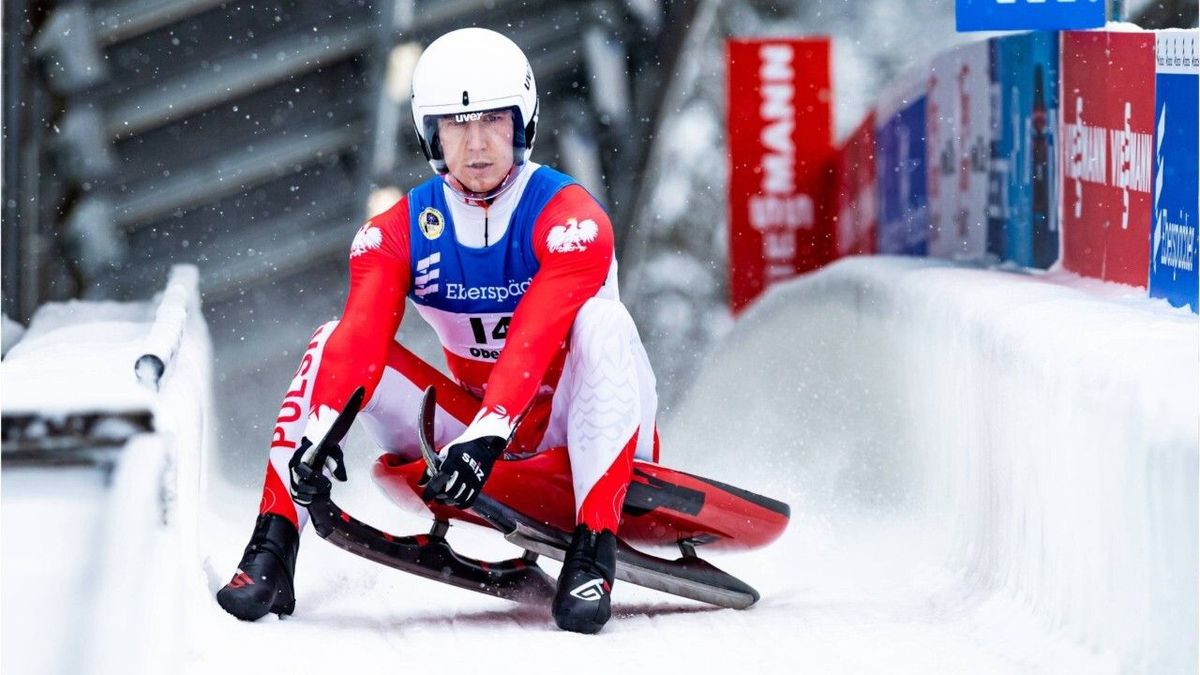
<point>465,468</point>
<point>308,465</point>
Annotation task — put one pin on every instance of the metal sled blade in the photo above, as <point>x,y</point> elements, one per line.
<point>430,556</point>
<point>687,577</point>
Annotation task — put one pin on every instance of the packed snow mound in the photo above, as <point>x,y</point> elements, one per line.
<point>1037,434</point>
<point>76,356</point>
<point>10,333</point>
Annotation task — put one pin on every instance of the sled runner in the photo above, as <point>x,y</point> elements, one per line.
<point>530,501</point>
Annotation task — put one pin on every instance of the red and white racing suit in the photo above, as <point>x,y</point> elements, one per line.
<point>570,371</point>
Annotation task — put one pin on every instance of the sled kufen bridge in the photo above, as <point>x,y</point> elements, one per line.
<point>518,579</point>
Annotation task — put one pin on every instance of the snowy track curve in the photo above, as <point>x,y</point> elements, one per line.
<point>989,473</point>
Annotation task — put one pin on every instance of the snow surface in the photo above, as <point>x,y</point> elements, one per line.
<point>990,472</point>
<point>50,524</point>
<point>78,356</point>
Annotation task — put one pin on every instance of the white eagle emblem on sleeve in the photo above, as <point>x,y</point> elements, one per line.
<point>368,237</point>
<point>574,236</point>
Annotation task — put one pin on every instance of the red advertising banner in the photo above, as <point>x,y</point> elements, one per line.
<point>1107,100</point>
<point>854,232</point>
<point>780,153</point>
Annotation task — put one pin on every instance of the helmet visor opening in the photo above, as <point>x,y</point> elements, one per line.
<point>433,124</point>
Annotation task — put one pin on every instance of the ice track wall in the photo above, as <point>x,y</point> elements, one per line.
<point>1046,437</point>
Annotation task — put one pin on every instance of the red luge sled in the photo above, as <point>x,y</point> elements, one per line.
<point>662,508</point>
<point>531,503</point>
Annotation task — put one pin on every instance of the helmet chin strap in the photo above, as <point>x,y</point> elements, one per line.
<point>483,198</point>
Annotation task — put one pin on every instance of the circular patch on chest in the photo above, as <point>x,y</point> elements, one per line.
<point>431,223</point>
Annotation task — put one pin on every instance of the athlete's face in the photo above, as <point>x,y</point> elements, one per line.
<point>478,147</point>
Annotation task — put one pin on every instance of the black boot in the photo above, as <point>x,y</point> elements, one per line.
<point>583,603</point>
<point>263,582</point>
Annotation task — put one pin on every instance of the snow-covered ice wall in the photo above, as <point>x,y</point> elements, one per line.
<point>100,525</point>
<point>155,502</point>
<point>1041,432</point>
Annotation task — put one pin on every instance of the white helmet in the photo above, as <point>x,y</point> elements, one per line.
<point>472,70</point>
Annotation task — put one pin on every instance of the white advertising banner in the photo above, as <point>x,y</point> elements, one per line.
<point>959,123</point>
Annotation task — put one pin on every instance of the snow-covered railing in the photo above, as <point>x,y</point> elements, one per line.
<point>175,362</point>
<point>12,332</point>
<point>1042,439</point>
<point>134,378</point>
<point>84,373</point>
<point>180,297</point>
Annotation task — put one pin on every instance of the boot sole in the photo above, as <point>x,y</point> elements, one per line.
<point>247,609</point>
<point>585,627</point>
<point>585,621</point>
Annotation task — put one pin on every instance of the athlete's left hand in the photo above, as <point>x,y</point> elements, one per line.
<point>464,470</point>
<point>307,465</point>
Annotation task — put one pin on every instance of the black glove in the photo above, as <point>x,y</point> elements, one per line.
<point>308,480</point>
<point>464,471</point>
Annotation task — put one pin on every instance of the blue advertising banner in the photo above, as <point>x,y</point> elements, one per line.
<point>972,15</point>
<point>900,167</point>
<point>1023,181</point>
<point>1176,185</point>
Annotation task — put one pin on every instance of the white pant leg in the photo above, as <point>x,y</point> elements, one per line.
<point>390,417</point>
<point>606,393</point>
